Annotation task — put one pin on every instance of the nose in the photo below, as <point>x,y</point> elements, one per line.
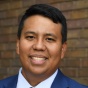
<point>39,45</point>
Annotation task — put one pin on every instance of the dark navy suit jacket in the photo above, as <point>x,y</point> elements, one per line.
<point>61,81</point>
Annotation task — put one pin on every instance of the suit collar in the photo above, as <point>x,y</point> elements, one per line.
<point>60,81</point>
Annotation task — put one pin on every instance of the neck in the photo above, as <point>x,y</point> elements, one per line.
<point>34,79</point>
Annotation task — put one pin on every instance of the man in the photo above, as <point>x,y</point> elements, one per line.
<point>41,44</point>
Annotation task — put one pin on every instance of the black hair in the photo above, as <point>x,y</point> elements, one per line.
<point>47,11</point>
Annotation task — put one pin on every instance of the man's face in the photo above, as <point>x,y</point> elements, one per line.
<point>40,46</point>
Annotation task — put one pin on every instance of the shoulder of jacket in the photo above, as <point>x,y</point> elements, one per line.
<point>7,80</point>
<point>74,84</point>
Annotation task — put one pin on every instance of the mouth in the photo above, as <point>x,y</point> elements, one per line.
<point>38,60</point>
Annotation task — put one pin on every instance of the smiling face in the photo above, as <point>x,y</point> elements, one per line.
<point>40,46</point>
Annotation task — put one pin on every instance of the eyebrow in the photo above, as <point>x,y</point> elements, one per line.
<point>29,32</point>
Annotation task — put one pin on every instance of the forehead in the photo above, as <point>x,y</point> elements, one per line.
<point>41,24</point>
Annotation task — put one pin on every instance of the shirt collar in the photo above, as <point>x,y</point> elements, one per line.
<point>22,82</point>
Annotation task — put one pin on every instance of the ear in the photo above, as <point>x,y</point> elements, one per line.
<point>64,48</point>
<point>17,46</point>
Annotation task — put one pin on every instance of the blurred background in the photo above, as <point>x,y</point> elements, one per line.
<point>75,63</point>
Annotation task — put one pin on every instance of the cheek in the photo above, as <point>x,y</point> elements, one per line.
<point>55,54</point>
<point>23,53</point>
<point>55,51</point>
<point>22,48</point>
<point>55,57</point>
<point>24,45</point>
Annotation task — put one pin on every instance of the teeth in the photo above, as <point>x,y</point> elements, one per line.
<point>38,58</point>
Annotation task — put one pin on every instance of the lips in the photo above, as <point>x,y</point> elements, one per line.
<point>37,59</point>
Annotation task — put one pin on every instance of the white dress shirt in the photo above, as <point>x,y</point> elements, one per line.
<point>22,82</point>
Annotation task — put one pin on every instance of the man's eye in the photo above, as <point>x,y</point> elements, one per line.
<point>50,39</point>
<point>30,37</point>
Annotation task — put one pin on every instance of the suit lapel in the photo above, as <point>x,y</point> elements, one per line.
<point>60,81</point>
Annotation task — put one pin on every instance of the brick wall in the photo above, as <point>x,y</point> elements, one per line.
<point>75,63</point>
